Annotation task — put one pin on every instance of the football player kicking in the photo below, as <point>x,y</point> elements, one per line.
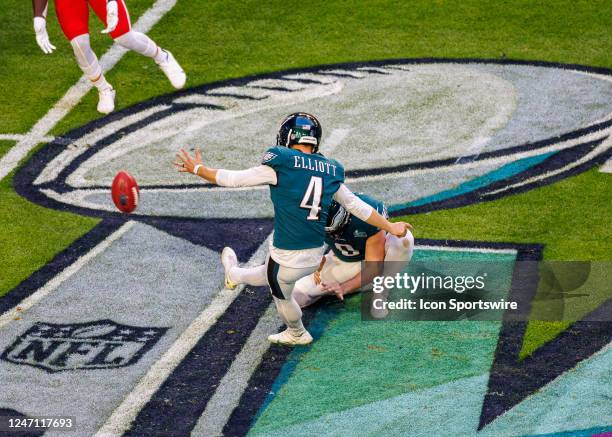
<point>351,241</point>
<point>73,16</point>
<point>303,184</point>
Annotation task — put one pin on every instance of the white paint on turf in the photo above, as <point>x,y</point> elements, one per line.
<point>74,95</point>
<point>165,135</point>
<point>51,285</point>
<point>126,412</point>
<point>392,187</point>
<point>53,169</point>
<point>335,139</point>
<point>410,116</point>
<point>19,137</point>
<point>148,279</point>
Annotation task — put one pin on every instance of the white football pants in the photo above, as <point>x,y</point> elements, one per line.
<point>281,281</point>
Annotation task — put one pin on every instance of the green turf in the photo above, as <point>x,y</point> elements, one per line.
<point>31,235</point>
<point>32,81</point>
<point>5,145</point>
<point>221,39</point>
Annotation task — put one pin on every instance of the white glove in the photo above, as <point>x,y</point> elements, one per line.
<point>42,37</point>
<point>112,16</point>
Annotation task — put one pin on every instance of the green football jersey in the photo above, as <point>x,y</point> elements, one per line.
<point>306,184</point>
<point>350,244</point>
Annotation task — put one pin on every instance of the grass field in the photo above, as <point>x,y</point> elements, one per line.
<point>219,39</point>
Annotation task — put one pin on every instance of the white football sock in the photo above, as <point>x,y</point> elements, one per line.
<point>255,276</point>
<point>88,61</point>
<point>141,43</point>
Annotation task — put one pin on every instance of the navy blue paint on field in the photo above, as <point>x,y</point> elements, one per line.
<point>485,155</point>
<point>512,380</point>
<point>244,235</point>
<point>318,320</point>
<point>176,407</point>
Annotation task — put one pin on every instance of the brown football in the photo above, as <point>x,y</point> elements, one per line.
<point>125,192</point>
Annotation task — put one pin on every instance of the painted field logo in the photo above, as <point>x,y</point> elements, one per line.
<point>95,345</point>
<point>419,134</point>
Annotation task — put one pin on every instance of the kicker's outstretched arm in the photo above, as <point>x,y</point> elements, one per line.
<point>259,175</point>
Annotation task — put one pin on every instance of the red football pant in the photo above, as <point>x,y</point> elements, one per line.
<point>73,16</point>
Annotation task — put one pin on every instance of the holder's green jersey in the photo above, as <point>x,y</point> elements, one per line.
<point>305,186</point>
<point>350,244</point>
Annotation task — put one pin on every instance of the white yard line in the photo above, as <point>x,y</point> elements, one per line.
<point>43,126</point>
<point>607,167</point>
<point>236,380</point>
<point>57,280</point>
<point>126,412</point>
<point>335,139</point>
<point>464,249</point>
<point>19,137</point>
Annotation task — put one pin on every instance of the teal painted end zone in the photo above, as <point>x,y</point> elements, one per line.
<point>348,367</point>
<point>499,174</point>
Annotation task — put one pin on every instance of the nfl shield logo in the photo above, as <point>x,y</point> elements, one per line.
<point>101,344</point>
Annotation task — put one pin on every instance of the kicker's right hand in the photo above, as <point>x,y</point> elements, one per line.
<point>42,37</point>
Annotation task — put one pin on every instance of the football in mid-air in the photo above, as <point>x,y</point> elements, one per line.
<point>125,192</point>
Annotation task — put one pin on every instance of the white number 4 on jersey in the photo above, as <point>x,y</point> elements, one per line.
<point>312,198</point>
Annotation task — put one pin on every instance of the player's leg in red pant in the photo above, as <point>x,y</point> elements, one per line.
<point>139,42</point>
<point>73,16</point>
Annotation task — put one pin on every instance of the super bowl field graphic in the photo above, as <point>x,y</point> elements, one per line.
<point>443,132</point>
<point>131,331</point>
